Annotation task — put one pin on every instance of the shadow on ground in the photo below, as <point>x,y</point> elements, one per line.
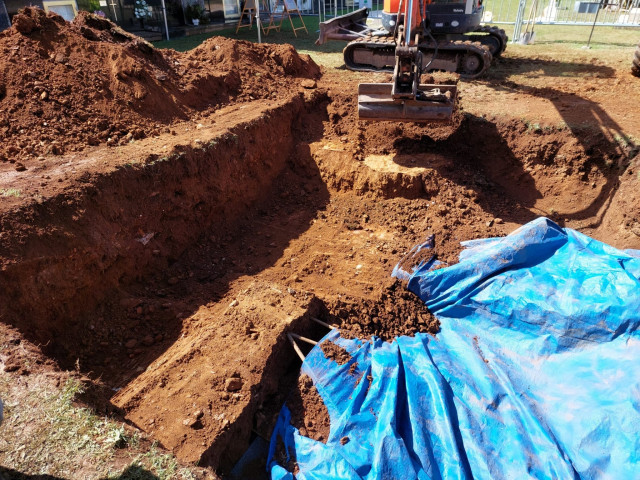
<point>131,473</point>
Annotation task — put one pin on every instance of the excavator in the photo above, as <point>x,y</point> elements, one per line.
<point>416,37</point>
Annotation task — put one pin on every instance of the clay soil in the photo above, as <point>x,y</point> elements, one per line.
<point>166,218</point>
<point>308,412</point>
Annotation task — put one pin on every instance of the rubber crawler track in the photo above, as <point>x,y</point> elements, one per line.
<point>385,45</point>
<point>492,31</point>
<point>635,66</point>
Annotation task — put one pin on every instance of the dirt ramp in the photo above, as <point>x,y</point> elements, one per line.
<point>206,393</point>
<point>64,86</point>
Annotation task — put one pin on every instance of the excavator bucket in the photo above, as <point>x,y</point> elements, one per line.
<point>376,103</point>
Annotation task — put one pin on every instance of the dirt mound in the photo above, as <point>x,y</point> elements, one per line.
<point>394,313</point>
<point>64,86</point>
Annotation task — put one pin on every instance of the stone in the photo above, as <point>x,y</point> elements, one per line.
<point>308,83</point>
<point>188,422</point>
<point>233,384</point>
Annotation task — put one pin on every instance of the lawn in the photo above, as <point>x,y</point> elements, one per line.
<point>561,36</point>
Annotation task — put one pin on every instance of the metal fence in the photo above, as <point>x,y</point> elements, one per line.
<point>612,13</point>
<point>326,9</point>
<point>604,13</point>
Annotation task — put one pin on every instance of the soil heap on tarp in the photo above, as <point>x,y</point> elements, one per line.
<point>308,412</point>
<point>66,85</point>
<point>395,312</point>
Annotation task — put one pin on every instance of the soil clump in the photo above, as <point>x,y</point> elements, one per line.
<point>394,313</point>
<point>335,352</point>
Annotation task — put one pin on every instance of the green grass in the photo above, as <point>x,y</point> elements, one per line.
<point>46,433</point>
<point>548,38</point>
<point>10,192</point>
<point>603,37</point>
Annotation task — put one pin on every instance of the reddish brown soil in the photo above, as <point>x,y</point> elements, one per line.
<point>89,82</point>
<point>394,313</point>
<point>172,266</point>
<point>21,357</point>
<point>335,352</point>
<point>308,412</point>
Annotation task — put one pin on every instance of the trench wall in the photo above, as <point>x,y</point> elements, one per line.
<point>61,256</point>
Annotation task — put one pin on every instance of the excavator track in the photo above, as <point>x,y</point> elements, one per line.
<point>377,54</point>
<point>495,38</point>
<point>635,65</point>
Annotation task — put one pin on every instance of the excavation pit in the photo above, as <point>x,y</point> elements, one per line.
<point>171,267</point>
<point>175,279</point>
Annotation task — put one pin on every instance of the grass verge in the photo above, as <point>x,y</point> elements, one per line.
<point>46,433</point>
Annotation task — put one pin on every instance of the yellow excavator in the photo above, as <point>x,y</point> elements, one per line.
<point>416,37</point>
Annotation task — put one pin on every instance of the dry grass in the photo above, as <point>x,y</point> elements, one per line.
<point>45,433</point>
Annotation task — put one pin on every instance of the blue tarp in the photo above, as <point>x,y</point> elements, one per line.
<point>535,373</point>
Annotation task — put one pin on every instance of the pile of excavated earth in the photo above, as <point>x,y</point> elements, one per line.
<point>65,86</point>
<point>167,218</point>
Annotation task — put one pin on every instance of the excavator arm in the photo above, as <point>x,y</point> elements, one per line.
<point>406,99</point>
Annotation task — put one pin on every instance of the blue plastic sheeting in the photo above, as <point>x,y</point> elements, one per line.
<point>535,373</point>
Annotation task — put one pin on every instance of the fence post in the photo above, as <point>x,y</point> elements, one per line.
<point>517,28</point>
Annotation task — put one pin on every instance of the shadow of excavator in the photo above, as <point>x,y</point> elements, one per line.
<point>504,184</point>
<point>588,121</point>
